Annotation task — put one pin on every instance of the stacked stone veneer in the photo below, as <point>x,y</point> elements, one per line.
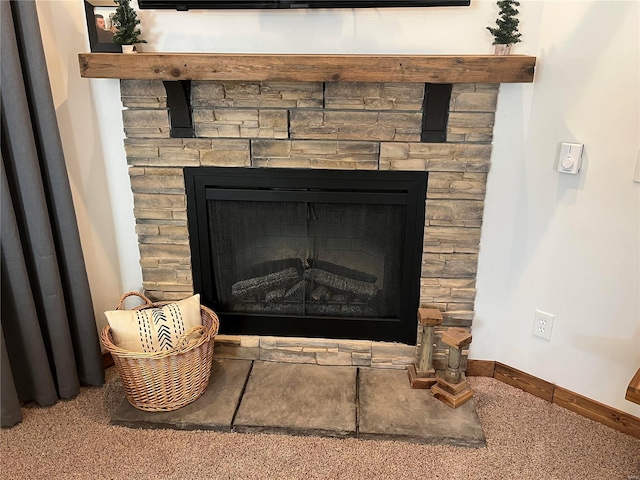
<point>367,126</point>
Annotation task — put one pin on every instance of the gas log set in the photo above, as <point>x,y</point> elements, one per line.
<point>321,287</point>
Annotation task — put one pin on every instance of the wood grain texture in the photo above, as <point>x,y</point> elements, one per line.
<point>593,410</point>
<point>456,337</point>
<point>430,317</point>
<point>480,368</point>
<point>528,383</point>
<point>633,390</point>
<point>454,401</point>
<point>310,68</point>
<point>420,382</point>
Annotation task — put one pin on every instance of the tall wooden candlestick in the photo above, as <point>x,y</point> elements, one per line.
<point>424,375</point>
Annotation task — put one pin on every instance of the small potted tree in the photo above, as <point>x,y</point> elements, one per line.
<point>126,22</point>
<point>505,34</point>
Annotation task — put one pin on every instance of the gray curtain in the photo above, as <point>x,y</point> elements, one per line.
<point>48,337</point>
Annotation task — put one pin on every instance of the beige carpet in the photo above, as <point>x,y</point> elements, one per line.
<point>527,438</point>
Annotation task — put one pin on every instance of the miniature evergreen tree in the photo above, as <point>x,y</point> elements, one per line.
<point>126,22</point>
<point>506,32</point>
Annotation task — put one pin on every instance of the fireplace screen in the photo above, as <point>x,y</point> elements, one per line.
<point>306,258</point>
<point>311,258</point>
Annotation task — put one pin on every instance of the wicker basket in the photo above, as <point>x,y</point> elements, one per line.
<point>165,381</point>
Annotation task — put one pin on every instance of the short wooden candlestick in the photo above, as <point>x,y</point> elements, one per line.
<point>453,389</point>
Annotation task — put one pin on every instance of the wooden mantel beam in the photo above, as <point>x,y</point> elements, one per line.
<point>310,68</point>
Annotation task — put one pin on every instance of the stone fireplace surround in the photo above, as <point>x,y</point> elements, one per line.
<point>247,122</point>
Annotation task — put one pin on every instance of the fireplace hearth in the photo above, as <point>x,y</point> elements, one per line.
<point>312,253</point>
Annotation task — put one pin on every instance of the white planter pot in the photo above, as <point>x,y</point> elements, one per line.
<point>502,49</point>
<point>128,49</point>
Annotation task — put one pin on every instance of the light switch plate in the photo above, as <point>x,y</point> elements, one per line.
<point>570,159</point>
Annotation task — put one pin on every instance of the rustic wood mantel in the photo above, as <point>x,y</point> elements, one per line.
<point>310,68</point>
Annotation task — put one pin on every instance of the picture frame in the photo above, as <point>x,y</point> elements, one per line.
<point>100,37</point>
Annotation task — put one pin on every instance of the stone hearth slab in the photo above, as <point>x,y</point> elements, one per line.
<point>214,410</point>
<point>389,409</point>
<point>299,399</point>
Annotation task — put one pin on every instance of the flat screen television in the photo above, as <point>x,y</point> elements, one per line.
<point>289,4</point>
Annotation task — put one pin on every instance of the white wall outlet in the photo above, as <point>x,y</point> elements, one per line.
<point>570,159</point>
<point>543,325</point>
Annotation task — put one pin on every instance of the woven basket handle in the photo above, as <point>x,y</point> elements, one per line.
<point>132,294</point>
<point>184,343</point>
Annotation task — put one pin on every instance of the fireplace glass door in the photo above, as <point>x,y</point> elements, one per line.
<point>307,258</point>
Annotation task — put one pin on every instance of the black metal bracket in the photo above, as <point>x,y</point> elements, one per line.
<point>179,103</point>
<point>435,108</point>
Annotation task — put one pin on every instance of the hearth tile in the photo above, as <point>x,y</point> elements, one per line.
<point>214,410</point>
<point>389,409</point>
<point>299,399</point>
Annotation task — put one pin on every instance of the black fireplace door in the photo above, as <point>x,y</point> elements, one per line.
<point>314,253</point>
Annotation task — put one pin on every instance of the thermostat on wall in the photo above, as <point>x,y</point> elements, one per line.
<point>570,159</point>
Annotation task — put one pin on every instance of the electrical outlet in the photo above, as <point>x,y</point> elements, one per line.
<point>543,325</point>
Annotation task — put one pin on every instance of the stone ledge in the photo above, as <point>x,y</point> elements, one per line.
<point>395,356</point>
<point>316,351</point>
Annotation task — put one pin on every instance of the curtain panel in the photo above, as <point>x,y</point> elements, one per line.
<point>48,332</point>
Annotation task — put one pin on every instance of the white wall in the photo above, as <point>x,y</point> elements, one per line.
<point>532,215</point>
<point>568,245</point>
<point>90,121</point>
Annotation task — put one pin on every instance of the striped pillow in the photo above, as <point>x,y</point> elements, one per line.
<point>154,329</point>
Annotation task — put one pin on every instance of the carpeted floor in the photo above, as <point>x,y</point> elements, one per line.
<point>528,438</point>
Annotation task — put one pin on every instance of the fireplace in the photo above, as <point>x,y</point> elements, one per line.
<point>362,114</point>
<point>308,253</point>
<point>277,131</point>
